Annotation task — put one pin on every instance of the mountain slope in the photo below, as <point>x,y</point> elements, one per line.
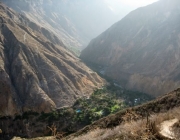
<point>140,122</point>
<point>75,22</point>
<point>142,50</point>
<point>37,72</point>
<point>146,121</point>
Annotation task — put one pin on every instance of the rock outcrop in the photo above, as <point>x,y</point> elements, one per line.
<point>37,72</point>
<point>142,50</point>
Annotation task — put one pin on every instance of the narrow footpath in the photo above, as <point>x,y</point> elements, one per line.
<point>166,128</point>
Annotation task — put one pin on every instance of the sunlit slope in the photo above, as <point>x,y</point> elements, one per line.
<point>37,72</point>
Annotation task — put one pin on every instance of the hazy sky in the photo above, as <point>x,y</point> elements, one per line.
<point>137,3</point>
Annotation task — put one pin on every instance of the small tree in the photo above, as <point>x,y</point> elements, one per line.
<point>53,129</point>
<point>54,132</point>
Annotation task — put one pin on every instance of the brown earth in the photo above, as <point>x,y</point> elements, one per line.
<point>163,108</point>
<point>37,72</point>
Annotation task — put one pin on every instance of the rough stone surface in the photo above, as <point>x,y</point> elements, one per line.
<point>37,72</point>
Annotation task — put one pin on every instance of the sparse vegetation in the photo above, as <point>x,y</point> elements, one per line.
<point>143,129</point>
<point>137,123</point>
<point>76,51</point>
<point>85,111</point>
<point>140,122</point>
<point>102,102</point>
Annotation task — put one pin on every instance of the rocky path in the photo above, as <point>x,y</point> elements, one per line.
<point>165,128</point>
<point>25,36</point>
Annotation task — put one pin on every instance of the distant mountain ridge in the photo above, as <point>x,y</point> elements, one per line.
<point>142,50</point>
<point>37,72</point>
<point>75,22</point>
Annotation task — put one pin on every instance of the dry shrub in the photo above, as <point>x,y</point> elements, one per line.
<point>176,130</point>
<point>144,129</point>
<point>58,135</point>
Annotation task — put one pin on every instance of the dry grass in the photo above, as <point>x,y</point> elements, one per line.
<point>39,138</point>
<point>133,123</point>
<point>176,129</point>
<point>145,129</point>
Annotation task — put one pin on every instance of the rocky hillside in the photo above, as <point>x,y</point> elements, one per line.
<point>158,119</point>
<point>141,122</point>
<point>75,22</point>
<point>142,50</point>
<point>37,72</point>
<point>68,120</point>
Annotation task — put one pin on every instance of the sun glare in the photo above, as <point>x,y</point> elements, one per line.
<point>137,3</point>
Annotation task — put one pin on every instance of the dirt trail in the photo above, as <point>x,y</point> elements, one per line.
<point>165,128</point>
<point>25,36</point>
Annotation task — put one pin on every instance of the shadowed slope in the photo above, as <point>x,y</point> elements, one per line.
<point>142,50</point>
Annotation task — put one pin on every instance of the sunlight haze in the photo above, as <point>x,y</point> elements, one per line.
<point>137,3</point>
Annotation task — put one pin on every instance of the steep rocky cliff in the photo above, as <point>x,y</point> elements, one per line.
<point>143,49</point>
<point>75,22</point>
<point>37,72</point>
